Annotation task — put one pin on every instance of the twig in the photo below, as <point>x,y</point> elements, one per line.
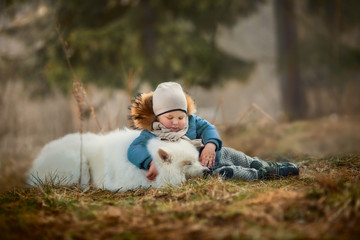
<point>222,112</point>
<point>77,83</point>
<point>218,106</point>
<point>259,109</point>
<point>264,113</point>
<point>129,87</point>
<point>245,113</point>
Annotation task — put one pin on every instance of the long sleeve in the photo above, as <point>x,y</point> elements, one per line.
<point>202,129</point>
<point>138,153</point>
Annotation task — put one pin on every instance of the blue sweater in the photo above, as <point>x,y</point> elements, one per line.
<point>198,129</point>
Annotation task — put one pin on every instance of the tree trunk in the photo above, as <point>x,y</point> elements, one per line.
<point>292,89</point>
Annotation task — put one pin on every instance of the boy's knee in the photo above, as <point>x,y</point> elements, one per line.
<point>256,164</point>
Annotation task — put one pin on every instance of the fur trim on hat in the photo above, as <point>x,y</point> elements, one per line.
<point>142,115</point>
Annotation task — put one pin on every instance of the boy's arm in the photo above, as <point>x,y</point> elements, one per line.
<point>207,132</point>
<point>138,153</point>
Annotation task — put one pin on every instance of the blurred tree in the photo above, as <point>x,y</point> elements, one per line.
<point>166,40</point>
<point>332,47</point>
<point>323,55</point>
<point>293,96</point>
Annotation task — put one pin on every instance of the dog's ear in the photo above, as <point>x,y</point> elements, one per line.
<point>164,156</point>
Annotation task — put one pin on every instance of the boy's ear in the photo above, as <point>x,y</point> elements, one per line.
<point>164,156</point>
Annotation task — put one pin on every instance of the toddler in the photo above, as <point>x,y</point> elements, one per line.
<point>168,113</point>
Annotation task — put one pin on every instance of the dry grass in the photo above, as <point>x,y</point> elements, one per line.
<point>316,137</point>
<point>324,202</point>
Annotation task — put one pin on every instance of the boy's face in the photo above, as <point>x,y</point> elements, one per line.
<point>175,120</point>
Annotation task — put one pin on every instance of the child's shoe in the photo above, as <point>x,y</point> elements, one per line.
<point>277,170</point>
<point>266,175</point>
<point>283,169</point>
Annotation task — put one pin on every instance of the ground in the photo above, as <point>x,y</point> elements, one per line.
<point>322,203</point>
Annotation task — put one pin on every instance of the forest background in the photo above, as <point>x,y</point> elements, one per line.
<point>280,79</point>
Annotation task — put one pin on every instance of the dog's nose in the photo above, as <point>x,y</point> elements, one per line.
<point>206,172</point>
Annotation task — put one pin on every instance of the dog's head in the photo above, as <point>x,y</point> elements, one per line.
<point>176,161</point>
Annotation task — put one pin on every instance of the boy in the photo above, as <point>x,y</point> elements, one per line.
<point>168,113</point>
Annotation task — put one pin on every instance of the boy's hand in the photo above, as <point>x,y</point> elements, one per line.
<point>207,156</point>
<point>153,172</point>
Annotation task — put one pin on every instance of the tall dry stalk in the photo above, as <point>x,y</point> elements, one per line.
<point>80,96</point>
<point>129,88</point>
<point>79,90</point>
<point>219,106</point>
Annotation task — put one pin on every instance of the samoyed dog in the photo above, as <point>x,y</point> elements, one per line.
<point>102,160</point>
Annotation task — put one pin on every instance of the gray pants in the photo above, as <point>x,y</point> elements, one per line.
<point>240,164</point>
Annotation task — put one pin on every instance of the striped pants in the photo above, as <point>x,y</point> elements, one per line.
<point>240,164</point>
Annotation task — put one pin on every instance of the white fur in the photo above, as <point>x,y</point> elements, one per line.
<point>105,164</point>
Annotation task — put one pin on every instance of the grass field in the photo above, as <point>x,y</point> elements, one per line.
<point>324,202</point>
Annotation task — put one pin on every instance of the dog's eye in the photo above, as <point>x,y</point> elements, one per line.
<point>187,163</point>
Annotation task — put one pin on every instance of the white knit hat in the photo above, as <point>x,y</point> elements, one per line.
<point>169,96</point>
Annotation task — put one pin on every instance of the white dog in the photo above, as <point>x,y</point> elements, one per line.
<point>105,164</point>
